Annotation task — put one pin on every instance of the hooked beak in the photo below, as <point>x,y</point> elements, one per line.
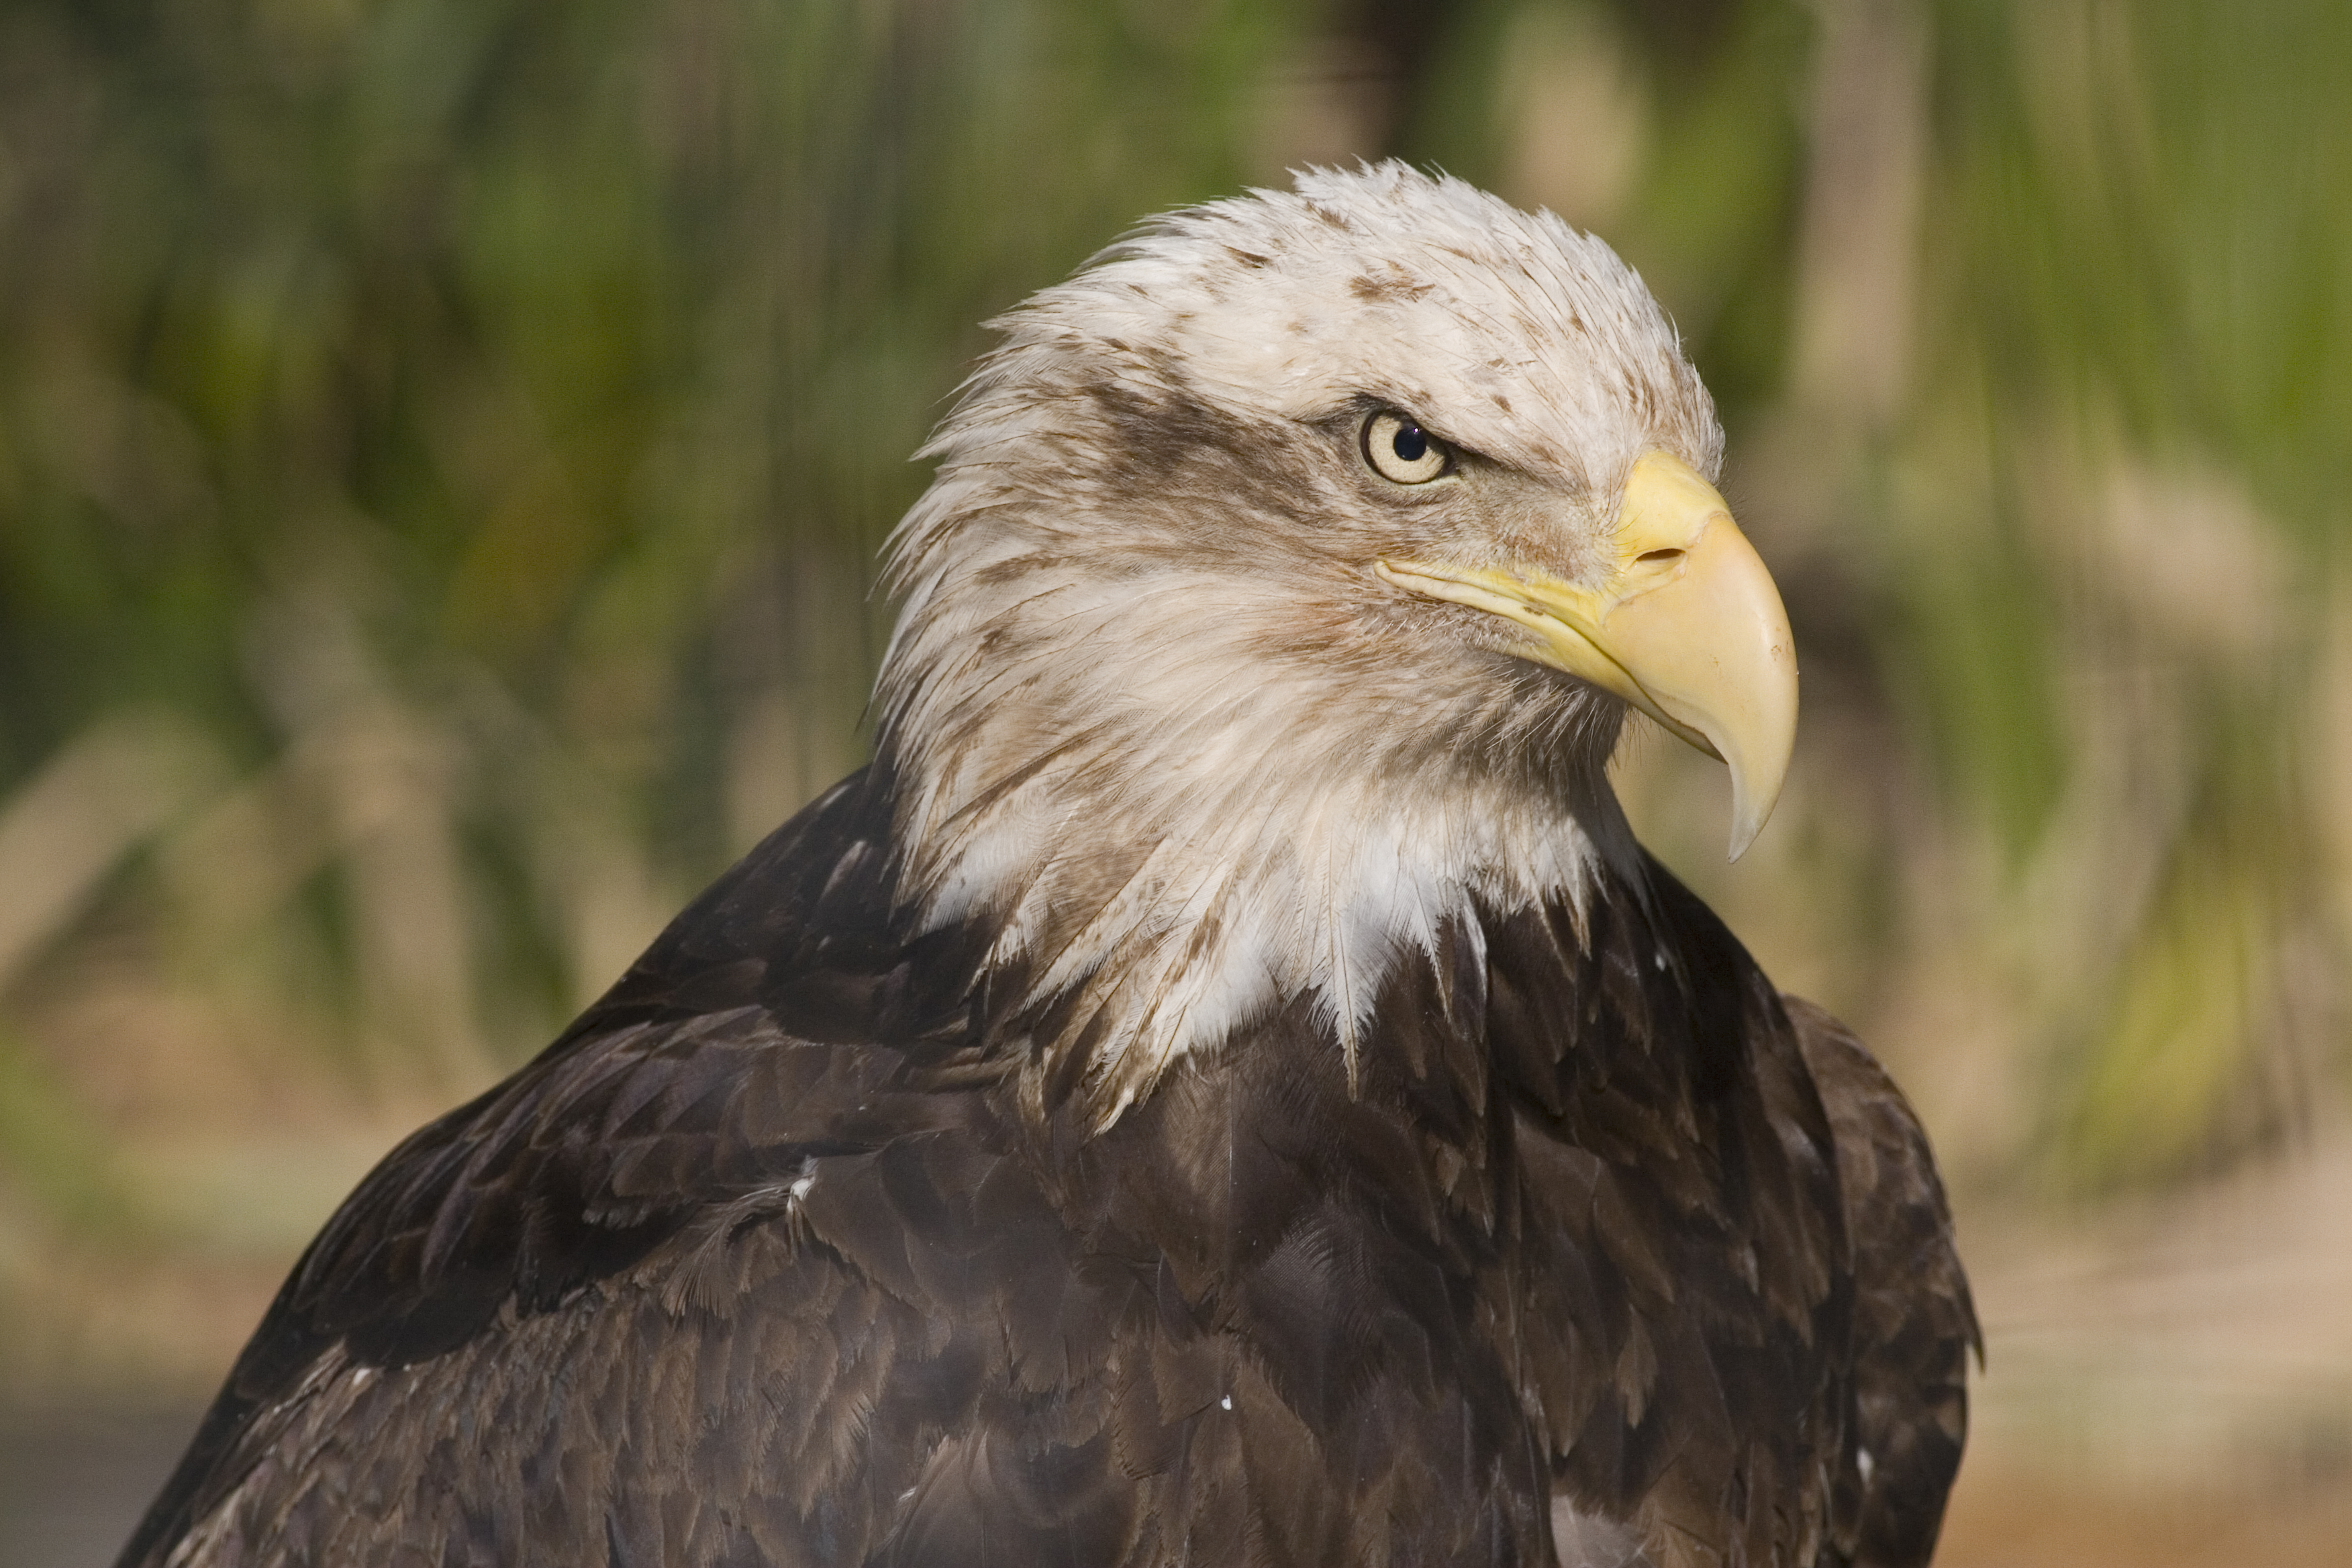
<point>1687,626</point>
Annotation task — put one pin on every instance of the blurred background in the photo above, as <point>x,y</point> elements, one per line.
<point>444,445</point>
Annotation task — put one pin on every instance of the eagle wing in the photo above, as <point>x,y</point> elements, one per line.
<point>704,1283</point>
<point>1914,1323</point>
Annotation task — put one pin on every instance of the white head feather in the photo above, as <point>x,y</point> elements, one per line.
<point>1149,708</point>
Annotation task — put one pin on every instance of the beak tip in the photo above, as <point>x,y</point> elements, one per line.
<point>1748,813</point>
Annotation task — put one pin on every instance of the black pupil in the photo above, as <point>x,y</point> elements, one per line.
<point>1408,443</point>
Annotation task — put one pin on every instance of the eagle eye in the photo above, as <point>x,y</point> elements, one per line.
<point>1402,452</point>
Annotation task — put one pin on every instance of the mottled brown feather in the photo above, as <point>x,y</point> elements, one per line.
<point>699,1286</point>
<point>1915,1324</point>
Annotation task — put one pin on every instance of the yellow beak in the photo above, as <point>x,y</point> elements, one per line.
<point>1687,626</point>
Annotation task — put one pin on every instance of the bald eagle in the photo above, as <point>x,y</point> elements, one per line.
<point>1223,1086</point>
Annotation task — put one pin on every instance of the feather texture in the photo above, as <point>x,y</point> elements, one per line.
<point>1224,1088</point>
<point>767,1261</point>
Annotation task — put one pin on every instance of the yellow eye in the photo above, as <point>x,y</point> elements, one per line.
<point>1402,452</point>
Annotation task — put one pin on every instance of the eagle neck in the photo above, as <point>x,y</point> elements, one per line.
<point>1131,927</point>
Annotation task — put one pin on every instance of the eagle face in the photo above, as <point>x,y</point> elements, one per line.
<point>1378,499</point>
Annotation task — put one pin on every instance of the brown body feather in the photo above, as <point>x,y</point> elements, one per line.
<point>786,1255</point>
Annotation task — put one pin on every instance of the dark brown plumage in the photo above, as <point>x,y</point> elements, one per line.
<point>828,1238</point>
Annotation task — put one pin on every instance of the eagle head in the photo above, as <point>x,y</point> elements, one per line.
<point>1285,580</point>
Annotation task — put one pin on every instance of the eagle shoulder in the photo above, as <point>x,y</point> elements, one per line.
<point>505,1341</point>
<point>1914,1323</point>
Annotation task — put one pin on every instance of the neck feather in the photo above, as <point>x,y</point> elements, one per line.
<point>1174,824</point>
